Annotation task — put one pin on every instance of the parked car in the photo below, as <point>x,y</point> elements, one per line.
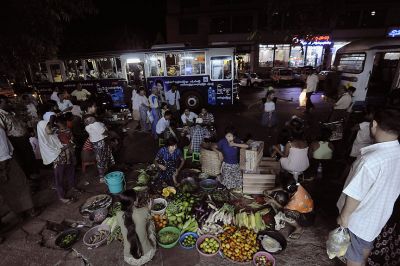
<point>250,79</point>
<point>282,76</point>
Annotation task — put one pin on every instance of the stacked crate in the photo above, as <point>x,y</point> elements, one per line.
<point>263,178</point>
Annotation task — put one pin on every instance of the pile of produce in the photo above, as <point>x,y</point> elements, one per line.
<point>224,215</point>
<point>210,229</point>
<point>179,210</point>
<point>158,207</point>
<point>160,221</point>
<point>209,246</point>
<point>239,244</point>
<point>167,237</point>
<point>143,178</point>
<point>251,221</point>
<point>168,191</point>
<point>115,229</point>
<point>263,261</point>
<point>189,241</point>
<point>98,237</point>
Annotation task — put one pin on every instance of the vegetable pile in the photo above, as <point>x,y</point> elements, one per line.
<point>251,221</point>
<point>167,238</point>
<point>98,237</point>
<point>239,244</point>
<point>189,241</point>
<point>209,246</point>
<point>179,210</point>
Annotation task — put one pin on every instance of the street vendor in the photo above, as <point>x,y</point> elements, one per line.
<point>169,160</point>
<point>299,210</point>
<point>228,150</point>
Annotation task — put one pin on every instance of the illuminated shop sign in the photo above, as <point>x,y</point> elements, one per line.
<point>314,40</point>
<point>393,32</point>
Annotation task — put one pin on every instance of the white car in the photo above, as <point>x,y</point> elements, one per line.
<point>250,79</point>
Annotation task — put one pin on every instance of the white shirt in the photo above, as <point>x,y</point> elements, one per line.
<point>138,100</point>
<point>192,116</point>
<point>54,97</point>
<point>96,131</point>
<point>362,140</point>
<point>6,149</point>
<point>153,100</point>
<point>76,110</point>
<point>312,82</point>
<point>49,144</point>
<point>65,104</point>
<point>81,95</point>
<point>269,107</point>
<point>173,98</point>
<point>344,102</point>
<point>374,180</point>
<point>31,109</point>
<point>162,124</point>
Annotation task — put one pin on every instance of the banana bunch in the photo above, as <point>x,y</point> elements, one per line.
<point>251,221</point>
<point>166,192</point>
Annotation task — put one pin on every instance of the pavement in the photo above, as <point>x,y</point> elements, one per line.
<point>32,243</point>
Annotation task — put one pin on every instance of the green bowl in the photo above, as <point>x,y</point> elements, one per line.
<point>172,229</point>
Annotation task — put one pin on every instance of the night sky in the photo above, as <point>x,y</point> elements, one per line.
<point>118,25</point>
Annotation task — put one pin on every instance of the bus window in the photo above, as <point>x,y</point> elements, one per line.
<point>55,70</point>
<point>70,70</point>
<point>156,64</point>
<point>194,63</point>
<point>91,69</point>
<point>106,68</point>
<point>351,63</point>
<point>221,67</point>
<point>174,63</point>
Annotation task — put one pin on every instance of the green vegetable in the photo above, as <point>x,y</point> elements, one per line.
<point>158,206</point>
<point>143,178</point>
<point>167,238</point>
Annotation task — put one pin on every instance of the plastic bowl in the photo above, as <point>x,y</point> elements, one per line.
<point>59,240</point>
<point>99,215</point>
<point>169,229</point>
<point>266,254</point>
<point>201,239</point>
<point>93,231</point>
<point>160,212</point>
<point>183,236</point>
<point>208,184</point>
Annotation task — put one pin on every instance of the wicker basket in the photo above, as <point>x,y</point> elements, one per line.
<point>210,163</point>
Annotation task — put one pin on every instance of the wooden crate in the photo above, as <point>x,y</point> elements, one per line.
<point>257,183</point>
<point>250,159</point>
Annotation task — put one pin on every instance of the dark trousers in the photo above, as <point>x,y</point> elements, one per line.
<point>23,154</point>
<point>62,171</point>
<point>309,103</point>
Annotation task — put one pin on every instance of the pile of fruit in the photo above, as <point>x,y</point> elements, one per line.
<point>179,210</point>
<point>263,261</point>
<point>160,221</point>
<point>209,246</point>
<point>189,241</point>
<point>239,244</point>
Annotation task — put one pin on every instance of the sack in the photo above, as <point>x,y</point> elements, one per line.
<point>302,98</point>
<point>338,242</point>
<point>150,117</point>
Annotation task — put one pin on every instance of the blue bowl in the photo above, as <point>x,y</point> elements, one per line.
<point>183,236</point>
<point>208,184</point>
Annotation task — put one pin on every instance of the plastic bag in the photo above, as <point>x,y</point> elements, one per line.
<point>338,242</point>
<point>302,98</point>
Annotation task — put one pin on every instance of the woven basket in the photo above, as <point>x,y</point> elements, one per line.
<point>210,163</point>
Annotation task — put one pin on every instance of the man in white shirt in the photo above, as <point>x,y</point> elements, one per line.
<point>311,87</point>
<point>172,98</point>
<point>343,105</point>
<point>64,105</point>
<point>372,187</point>
<point>163,124</point>
<point>188,117</point>
<point>80,94</point>
<point>54,96</point>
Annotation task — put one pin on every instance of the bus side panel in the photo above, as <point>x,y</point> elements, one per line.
<point>212,92</point>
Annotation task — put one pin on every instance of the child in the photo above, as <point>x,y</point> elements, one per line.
<point>97,136</point>
<point>65,136</point>
<point>299,211</point>
<point>164,108</point>
<point>363,138</point>
<point>269,116</point>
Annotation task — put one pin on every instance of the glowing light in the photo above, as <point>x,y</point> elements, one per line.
<point>394,32</point>
<point>133,60</point>
<point>373,13</point>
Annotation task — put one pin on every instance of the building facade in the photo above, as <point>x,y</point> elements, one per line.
<point>279,33</point>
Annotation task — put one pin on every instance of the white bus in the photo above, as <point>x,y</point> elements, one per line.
<point>371,66</point>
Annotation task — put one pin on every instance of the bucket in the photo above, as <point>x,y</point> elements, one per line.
<point>115,182</point>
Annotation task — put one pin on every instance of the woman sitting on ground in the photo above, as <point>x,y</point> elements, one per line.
<point>295,159</point>
<point>323,148</point>
<point>137,229</point>
<point>169,160</point>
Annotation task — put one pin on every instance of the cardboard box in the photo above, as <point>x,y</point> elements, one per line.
<point>250,158</point>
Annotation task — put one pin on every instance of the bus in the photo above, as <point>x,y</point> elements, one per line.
<point>204,76</point>
<point>371,66</point>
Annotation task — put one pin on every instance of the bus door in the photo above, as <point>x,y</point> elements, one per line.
<point>222,76</point>
<point>382,78</point>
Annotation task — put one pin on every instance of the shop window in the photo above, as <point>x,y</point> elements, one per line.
<point>188,26</point>
<point>174,63</point>
<point>373,18</point>
<point>189,3</point>
<point>266,55</point>
<point>221,68</point>
<point>194,64</point>
<point>296,56</point>
<point>242,24</point>
<point>282,55</point>
<point>220,25</point>
<point>351,63</point>
<point>314,56</point>
<point>156,64</point>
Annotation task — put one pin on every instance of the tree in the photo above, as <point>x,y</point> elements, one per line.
<point>32,30</point>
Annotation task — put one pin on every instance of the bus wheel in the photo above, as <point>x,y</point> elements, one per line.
<point>192,100</point>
